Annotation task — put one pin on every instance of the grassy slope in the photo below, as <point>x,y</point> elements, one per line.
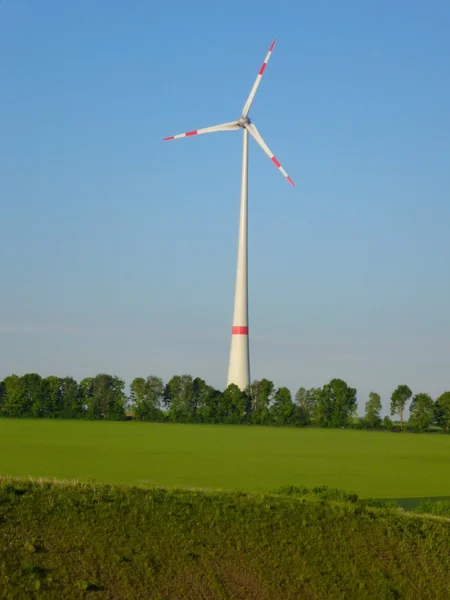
<point>227,457</point>
<point>81,540</point>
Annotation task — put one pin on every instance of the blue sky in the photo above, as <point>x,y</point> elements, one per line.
<point>118,251</point>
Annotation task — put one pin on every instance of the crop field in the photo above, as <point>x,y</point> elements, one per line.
<point>252,459</point>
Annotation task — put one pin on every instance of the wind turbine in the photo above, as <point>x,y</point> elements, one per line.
<point>239,365</point>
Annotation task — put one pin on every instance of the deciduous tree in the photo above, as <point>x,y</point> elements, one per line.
<point>282,411</point>
<point>179,399</point>
<point>442,411</point>
<point>373,408</point>
<point>34,395</point>
<point>209,402</point>
<point>14,396</point>
<point>52,397</point>
<point>387,423</point>
<point>399,400</point>
<point>421,412</point>
<point>106,397</point>
<point>86,391</point>
<point>146,396</point>
<point>73,403</point>
<point>261,393</point>
<point>306,400</point>
<point>336,403</point>
<point>235,405</point>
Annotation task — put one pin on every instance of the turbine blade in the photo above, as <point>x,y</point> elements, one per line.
<point>257,137</point>
<point>223,127</point>
<point>248,104</point>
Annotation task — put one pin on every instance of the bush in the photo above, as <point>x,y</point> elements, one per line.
<point>387,423</point>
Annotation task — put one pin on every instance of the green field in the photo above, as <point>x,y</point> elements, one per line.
<point>255,459</point>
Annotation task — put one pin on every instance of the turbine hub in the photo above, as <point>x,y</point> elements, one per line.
<point>243,121</point>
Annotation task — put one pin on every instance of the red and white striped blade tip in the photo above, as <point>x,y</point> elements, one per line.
<point>264,65</point>
<point>180,135</point>
<point>276,162</point>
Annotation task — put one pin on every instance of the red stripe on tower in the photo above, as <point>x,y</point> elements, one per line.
<point>239,330</point>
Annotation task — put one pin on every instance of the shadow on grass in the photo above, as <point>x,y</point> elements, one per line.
<point>410,503</point>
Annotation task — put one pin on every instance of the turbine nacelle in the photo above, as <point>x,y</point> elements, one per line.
<point>243,121</point>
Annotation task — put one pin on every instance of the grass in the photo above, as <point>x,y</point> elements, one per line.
<point>254,459</point>
<point>440,508</point>
<point>78,540</point>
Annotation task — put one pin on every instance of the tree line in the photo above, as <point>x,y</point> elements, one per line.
<point>185,399</point>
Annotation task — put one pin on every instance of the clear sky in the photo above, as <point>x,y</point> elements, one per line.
<point>118,251</point>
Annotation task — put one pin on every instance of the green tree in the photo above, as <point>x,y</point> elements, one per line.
<point>180,399</point>
<point>86,391</point>
<point>442,411</point>
<point>261,393</point>
<point>206,403</point>
<point>14,396</point>
<point>373,408</point>
<point>118,400</point>
<point>107,397</point>
<point>52,397</point>
<point>146,397</point>
<point>302,402</point>
<point>235,405</point>
<point>421,412</point>
<point>73,402</point>
<point>36,401</point>
<point>209,402</point>
<point>324,408</point>
<point>282,411</point>
<point>2,396</point>
<point>387,423</point>
<point>200,396</point>
<point>336,404</point>
<point>306,400</point>
<point>399,400</point>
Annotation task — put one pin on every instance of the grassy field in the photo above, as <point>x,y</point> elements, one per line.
<point>76,541</point>
<point>254,459</point>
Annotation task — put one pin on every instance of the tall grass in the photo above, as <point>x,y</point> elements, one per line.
<point>440,508</point>
<point>69,540</point>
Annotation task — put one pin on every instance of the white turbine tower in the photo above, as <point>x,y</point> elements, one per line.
<point>239,366</point>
